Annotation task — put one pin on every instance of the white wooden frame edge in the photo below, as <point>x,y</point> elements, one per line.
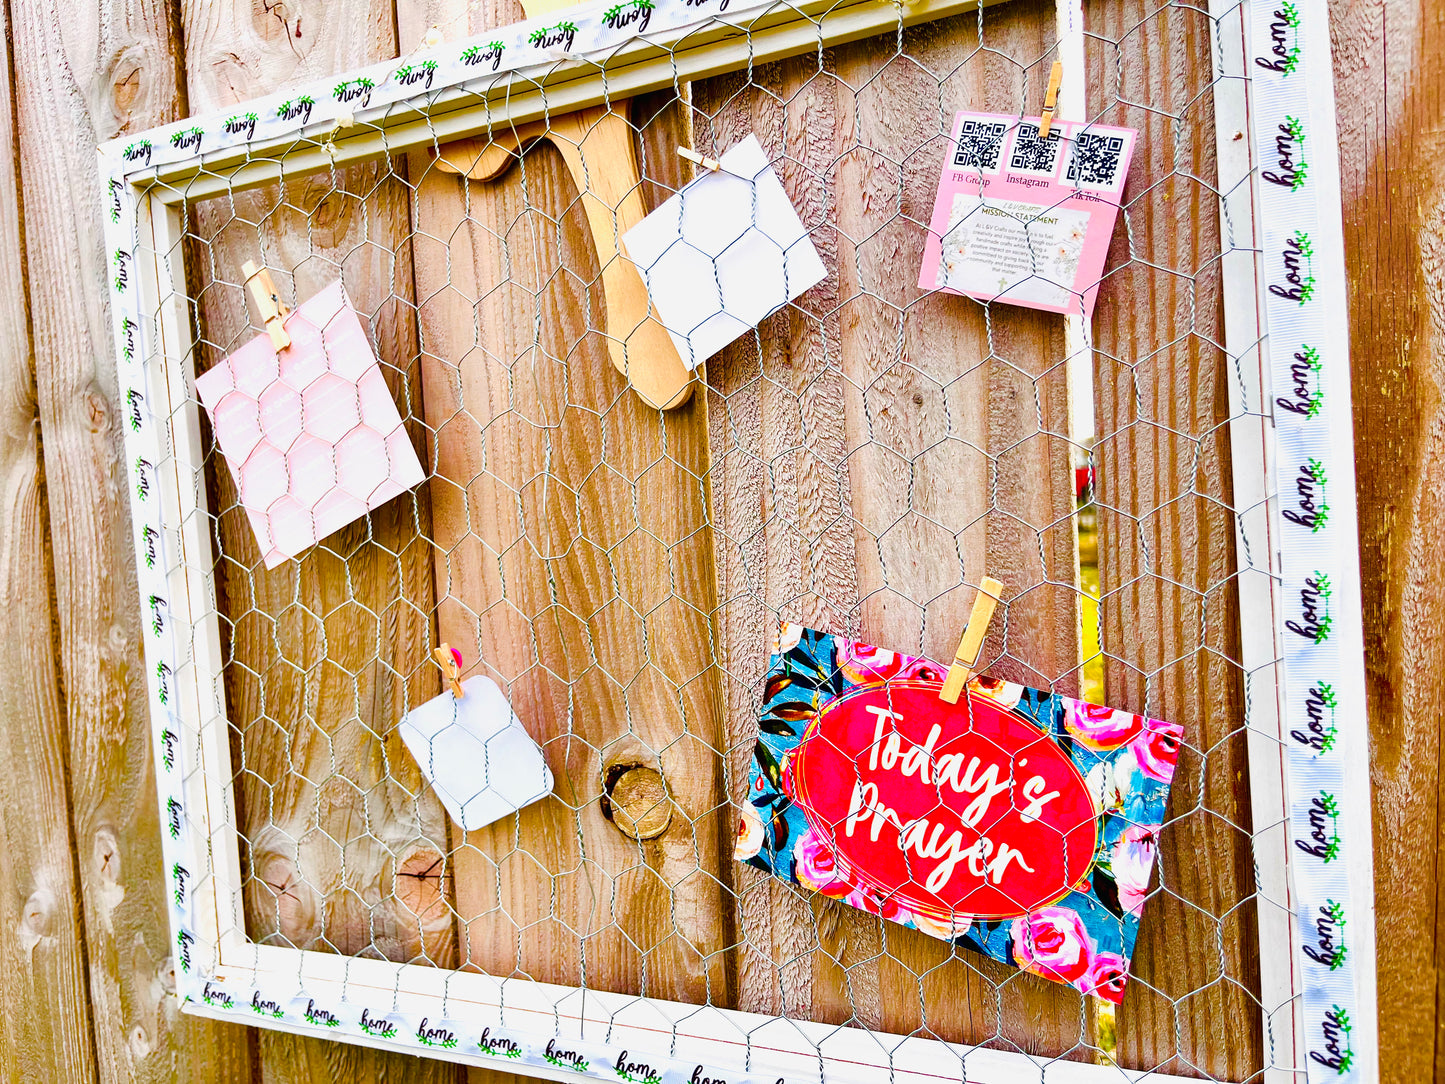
<point>223,974</point>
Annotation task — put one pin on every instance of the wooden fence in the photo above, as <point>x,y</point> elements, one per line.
<point>83,927</point>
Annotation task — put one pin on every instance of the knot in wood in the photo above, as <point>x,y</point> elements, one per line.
<point>420,887</point>
<point>107,855</point>
<point>97,410</point>
<point>140,1042</point>
<point>35,921</point>
<point>283,893</point>
<point>127,86</point>
<point>635,800</point>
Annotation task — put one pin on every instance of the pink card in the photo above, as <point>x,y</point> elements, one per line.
<point>312,436</point>
<point>1025,220</point>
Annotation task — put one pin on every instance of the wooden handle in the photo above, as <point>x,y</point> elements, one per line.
<point>482,158</point>
<point>971,643</point>
<point>596,144</point>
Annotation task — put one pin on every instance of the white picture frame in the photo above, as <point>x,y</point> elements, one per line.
<point>545,1030</point>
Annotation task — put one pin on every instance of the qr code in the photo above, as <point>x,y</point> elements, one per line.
<point>980,145</point>
<point>1095,159</point>
<point>1034,155</point>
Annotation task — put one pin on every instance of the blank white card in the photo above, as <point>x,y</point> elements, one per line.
<point>476,754</point>
<point>723,254</point>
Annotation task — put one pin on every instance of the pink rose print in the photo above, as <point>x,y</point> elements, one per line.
<point>864,664</point>
<point>866,899</point>
<point>750,832</point>
<point>816,866</point>
<point>1132,863</point>
<point>924,670</point>
<point>1099,727</point>
<point>1156,749</point>
<point>1052,942</point>
<point>947,929</point>
<point>1001,692</point>
<point>1106,978</point>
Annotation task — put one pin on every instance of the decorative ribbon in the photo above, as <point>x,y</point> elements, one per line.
<point>1307,353</point>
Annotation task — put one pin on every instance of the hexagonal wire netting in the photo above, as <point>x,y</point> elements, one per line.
<point>857,464</point>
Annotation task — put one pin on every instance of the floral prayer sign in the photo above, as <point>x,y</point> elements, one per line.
<point>1018,823</point>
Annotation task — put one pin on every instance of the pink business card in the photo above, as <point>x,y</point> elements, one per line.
<point>1024,220</point>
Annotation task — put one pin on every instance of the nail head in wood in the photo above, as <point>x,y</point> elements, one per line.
<point>965,659</point>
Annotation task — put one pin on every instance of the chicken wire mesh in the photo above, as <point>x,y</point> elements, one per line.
<point>857,464</point>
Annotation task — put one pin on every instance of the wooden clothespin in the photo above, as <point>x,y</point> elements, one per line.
<point>1051,97</point>
<point>692,156</point>
<point>268,300</point>
<point>450,660</point>
<point>971,644</point>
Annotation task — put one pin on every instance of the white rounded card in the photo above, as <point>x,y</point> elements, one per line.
<point>476,754</point>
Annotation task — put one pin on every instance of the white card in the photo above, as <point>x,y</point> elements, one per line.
<point>476,754</point>
<point>723,254</point>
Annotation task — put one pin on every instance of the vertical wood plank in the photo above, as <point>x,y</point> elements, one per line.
<point>875,454</point>
<point>781,526</point>
<point>91,73</point>
<point>45,998</point>
<point>346,845</point>
<point>1169,612</point>
<point>1389,58</point>
<point>573,567</point>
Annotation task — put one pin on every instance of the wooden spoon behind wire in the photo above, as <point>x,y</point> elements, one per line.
<point>596,144</point>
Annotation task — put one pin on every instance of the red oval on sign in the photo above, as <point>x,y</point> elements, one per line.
<point>948,810</point>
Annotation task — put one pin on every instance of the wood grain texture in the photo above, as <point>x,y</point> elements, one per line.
<point>782,536</point>
<point>1389,60</point>
<point>1166,540</point>
<point>87,72</point>
<point>45,999</point>
<point>876,453</point>
<point>573,567</point>
<point>91,73</point>
<point>344,843</point>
